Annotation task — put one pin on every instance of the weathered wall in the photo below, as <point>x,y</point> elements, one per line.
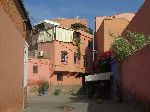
<point>11,9</point>
<point>44,70</point>
<point>99,19</point>
<point>99,38</point>
<point>67,80</point>
<point>11,65</point>
<point>128,16</point>
<point>67,22</point>
<point>52,50</point>
<point>69,83</point>
<point>136,75</point>
<point>43,73</point>
<point>85,50</point>
<point>106,24</point>
<point>98,22</point>
<point>116,26</point>
<point>103,39</point>
<point>49,50</point>
<point>141,22</point>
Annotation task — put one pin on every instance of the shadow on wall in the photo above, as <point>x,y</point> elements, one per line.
<point>88,58</point>
<point>140,23</point>
<point>99,38</point>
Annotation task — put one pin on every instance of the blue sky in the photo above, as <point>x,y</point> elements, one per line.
<point>88,9</point>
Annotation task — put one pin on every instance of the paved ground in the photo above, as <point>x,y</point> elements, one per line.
<point>69,103</point>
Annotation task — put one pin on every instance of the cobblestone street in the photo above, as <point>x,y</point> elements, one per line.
<point>67,103</point>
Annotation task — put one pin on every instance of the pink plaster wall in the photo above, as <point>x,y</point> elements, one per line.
<point>44,70</point>
<point>109,25</point>
<point>52,50</point>
<point>105,24</point>
<point>116,26</point>
<point>128,16</point>
<point>67,80</point>
<point>49,50</point>
<point>99,19</point>
<point>141,22</point>
<point>66,22</point>
<point>136,69</point>
<point>85,37</point>
<point>98,22</point>
<point>11,65</point>
<point>136,74</point>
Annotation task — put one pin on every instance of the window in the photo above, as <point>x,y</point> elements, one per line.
<point>59,77</point>
<point>35,69</point>
<point>64,56</point>
<point>90,44</point>
<point>76,57</point>
<point>85,63</point>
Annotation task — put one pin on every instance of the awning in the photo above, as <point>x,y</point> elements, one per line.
<point>96,77</point>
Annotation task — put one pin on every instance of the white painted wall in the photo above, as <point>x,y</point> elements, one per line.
<point>26,46</point>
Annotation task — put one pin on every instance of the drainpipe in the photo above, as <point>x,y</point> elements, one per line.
<point>25,88</point>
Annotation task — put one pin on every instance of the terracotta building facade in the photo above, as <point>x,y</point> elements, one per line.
<point>70,53</point>
<point>38,70</point>
<point>104,26</point>
<point>12,41</point>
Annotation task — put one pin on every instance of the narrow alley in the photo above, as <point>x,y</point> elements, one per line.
<point>78,56</point>
<point>68,103</point>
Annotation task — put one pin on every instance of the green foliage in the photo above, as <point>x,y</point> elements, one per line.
<point>57,92</point>
<point>122,47</point>
<point>137,40</point>
<point>79,26</point>
<point>76,42</point>
<point>43,87</point>
<point>76,38</point>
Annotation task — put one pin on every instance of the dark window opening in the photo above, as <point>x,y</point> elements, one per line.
<point>59,77</point>
<point>64,56</point>
<point>76,57</point>
<point>90,44</point>
<point>85,61</point>
<point>35,69</point>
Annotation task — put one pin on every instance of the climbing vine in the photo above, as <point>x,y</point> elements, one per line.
<point>79,26</point>
<point>76,42</point>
